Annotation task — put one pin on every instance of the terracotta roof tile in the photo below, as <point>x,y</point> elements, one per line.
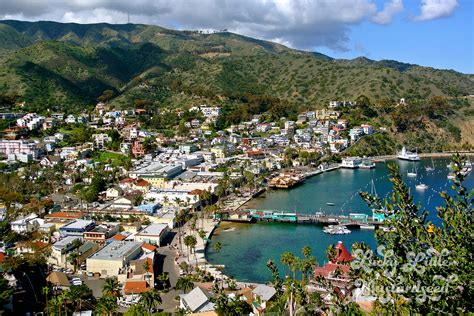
<point>148,246</point>
<point>135,287</point>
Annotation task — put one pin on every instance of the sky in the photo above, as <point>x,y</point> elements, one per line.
<point>435,33</point>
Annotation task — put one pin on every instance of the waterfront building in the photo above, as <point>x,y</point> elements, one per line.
<point>153,234</point>
<point>196,301</point>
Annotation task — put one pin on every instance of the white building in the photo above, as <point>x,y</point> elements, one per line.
<point>351,162</point>
<point>113,258</point>
<point>26,224</point>
<point>153,234</point>
<point>19,146</point>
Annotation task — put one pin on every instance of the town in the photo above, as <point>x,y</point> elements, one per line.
<point>131,210</point>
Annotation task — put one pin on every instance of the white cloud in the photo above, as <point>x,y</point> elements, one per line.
<point>390,9</point>
<point>304,24</point>
<point>434,9</point>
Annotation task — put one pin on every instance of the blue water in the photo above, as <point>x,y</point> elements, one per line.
<point>247,247</point>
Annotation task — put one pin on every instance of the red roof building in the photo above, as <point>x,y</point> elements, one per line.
<point>342,254</point>
<point>330,268</point>
<point>135,287</point>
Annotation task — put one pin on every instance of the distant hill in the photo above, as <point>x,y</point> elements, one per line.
<point>72,64</point>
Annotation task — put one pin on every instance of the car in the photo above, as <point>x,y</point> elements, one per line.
<point>90,274</point>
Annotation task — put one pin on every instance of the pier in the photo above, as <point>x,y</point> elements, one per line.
<point>252,216</point>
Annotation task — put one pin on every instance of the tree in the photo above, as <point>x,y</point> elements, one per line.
<point>5,292</point>
<point>76,294</point>
<point>431,264</point>
<point>289,259</point>
<point>146,267</point>
<point>150,300</point>
<point>73,259</point>
<point>217,246</point>
<point>107,305</point>
<point>111,287</point>
<point>190,241</point>
<point>184,283</point>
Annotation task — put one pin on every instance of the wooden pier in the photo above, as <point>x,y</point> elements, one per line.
<point>251,216</point>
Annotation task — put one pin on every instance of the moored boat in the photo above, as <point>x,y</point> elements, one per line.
<point>367,226</point>
<point>421,187</point>
<point>404,154</point>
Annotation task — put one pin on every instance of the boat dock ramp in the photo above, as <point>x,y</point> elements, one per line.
<point>318,218</point>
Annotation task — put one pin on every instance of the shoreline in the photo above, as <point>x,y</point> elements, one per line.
<point>309,174</point>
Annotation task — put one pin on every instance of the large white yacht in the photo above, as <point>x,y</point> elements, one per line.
<point>408,155</point>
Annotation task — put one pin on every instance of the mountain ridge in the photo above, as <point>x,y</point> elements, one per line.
<point>86,58</point>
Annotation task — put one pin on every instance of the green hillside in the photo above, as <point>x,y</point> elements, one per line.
<point>68,66</point>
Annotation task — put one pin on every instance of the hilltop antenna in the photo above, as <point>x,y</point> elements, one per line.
<point>128,17</point>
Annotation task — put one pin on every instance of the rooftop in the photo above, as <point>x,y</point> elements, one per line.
<point>116,250</point>
<point>153,229</point>
<point>135,287</point>
<point>77,224</point>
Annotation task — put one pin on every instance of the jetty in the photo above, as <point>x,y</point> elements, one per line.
<point>318,218</point>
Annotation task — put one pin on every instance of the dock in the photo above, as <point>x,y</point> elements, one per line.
<point>252,216</point>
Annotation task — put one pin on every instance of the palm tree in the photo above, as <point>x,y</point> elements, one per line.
<point>184,283</point>
<point>146,267</point>
<point>107,305</point>
<point>306,251</point>
<point>150,300</point>
<point>180,219</point>
<point>289,259</point>
<point>73,258</point>
<point>111,288</point>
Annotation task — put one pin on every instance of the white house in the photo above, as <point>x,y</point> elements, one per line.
<point>26,224</point>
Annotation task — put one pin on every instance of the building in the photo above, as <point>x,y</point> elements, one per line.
<point>61,249</point>
<point>196,301</point>
<point>20,146</point>
<point>76,228</point>
<point>60,219</point>
<point>101,233</point>
<point>101,139</point>
<point>26,224</point>
<point>153,234</point>
<point>113,258</point>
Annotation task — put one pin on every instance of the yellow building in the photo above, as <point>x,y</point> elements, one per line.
<point>113,258</point>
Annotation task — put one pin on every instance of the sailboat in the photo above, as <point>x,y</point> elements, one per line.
<point>413,173</point>
<point>432,167</point>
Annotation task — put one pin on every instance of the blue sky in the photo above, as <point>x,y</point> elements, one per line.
<point>446,43</point>
<point>436,33</point>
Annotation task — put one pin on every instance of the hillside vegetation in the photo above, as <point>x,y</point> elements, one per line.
<point>68,67</point>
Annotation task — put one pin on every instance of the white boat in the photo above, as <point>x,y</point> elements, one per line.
<point>412,173</point>
<point>451,176</point>
<point>351,162</point>
<point>336,230</point>
<point>421,187</point>
<point>367,164</point>
<point>367,226</point>
<point>408,155</point>
<point>432,167</point>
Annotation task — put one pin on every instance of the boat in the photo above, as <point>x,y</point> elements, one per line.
<point>412,173</point>
<point>421,187</point>
<point>451,176</point>
<point>367,226</point>
<point>404,154</point>
<point>367,164</point>
<point>351,162</point>
<point>336,230</point>
<point>430,168</point>
<point>329,203</point>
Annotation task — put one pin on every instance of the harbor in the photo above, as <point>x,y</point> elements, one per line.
<point>292,222</point>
